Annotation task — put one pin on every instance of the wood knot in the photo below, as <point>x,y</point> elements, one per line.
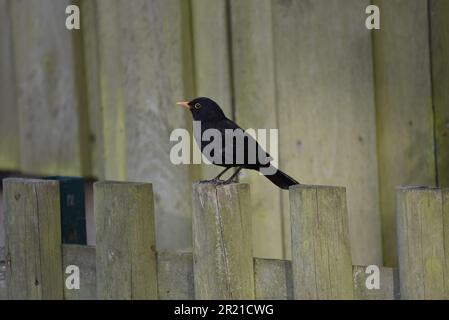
<point>17,196</point>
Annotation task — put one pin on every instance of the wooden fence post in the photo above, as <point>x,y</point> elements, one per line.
<point>420,234</point>
<point>33,239</point>
<point>321,256</point>
<point>222,245</point>
<point>125,240</point>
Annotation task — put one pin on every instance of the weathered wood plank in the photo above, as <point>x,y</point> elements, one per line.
<point>222,254</point>
<point>273,279</point>
<point>175,275</point>
<point>445,206</point>
<point>89,29</point>
<point>321,256</point>
<point>155,66</point>
<point>84,258</point>
<point>33,239</point>
<point>111,90</point>
<point>403,107</point>
<point>9,129</point>
<point>420,235</point>
<point>125,240</point>
<point>440,78</point>
<point>49,93</point>
<point>388,284</point>
<point>73,209</point>
<point>326,110</point>
<point>255,107</point>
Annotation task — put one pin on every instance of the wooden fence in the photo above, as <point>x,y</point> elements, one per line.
<point>364,109</point>
<point>125,264</point>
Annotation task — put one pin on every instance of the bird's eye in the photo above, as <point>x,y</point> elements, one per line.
<point>197,106</point>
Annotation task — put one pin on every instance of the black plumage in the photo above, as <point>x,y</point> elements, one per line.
<point>232,154</point>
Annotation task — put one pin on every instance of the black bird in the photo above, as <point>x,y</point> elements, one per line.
<point>211,116</point>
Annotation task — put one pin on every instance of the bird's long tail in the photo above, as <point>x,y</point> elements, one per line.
<point>282,180</point>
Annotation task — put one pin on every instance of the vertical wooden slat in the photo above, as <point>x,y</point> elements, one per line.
<point>9,130</point>
<point>325,105</point>
<point>33,239</point>
<point>49,93</point>
<point>321,256</point>
<point>273,279</point>
<point>403,107</point>
<point>439,14</point>
<point>156,71</point>
<point>125,241</point>
<point>420,233</point>
<point>222,255</point>
<point>255,107</point>
<point>211,52</point>
<point>175,275</point>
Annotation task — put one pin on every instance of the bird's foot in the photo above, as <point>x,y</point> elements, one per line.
<point>214,181</point>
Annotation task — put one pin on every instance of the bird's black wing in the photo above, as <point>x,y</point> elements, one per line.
<point>242,144</point>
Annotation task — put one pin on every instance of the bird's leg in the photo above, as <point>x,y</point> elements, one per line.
<point>231,179</point>
<point>217,178</point>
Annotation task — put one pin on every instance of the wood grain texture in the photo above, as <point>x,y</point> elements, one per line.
<point>222,255</point>
<point>9,124</point>
<point>3,292</point>
<point>255,107</point>
<point>125,241</point>
<point>440,78</point>
<point>326,110</point>
<point>84,258</point>
<point>273,279</point>
<point>157,72</point>
<point>321,256</point>
<point>33,239</point>
<point>175,275</point>
<point>49,93</point>
<point>388,285</point>
<point>111,90</point>
<point>403,107</point>
<point>89,28</point>
<point>420,233</point>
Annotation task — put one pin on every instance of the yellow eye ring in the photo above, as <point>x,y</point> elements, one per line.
<point>197,106</point>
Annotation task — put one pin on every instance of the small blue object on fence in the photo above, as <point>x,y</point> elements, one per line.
<point>73,216</point>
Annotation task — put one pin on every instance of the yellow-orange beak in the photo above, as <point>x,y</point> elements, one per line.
<point>183,104</point>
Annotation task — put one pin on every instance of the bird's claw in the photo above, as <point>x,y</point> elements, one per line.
<point>214,181</point>
<point>218,182</point>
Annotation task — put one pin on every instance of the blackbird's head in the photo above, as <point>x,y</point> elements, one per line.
<point>203,109</point>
